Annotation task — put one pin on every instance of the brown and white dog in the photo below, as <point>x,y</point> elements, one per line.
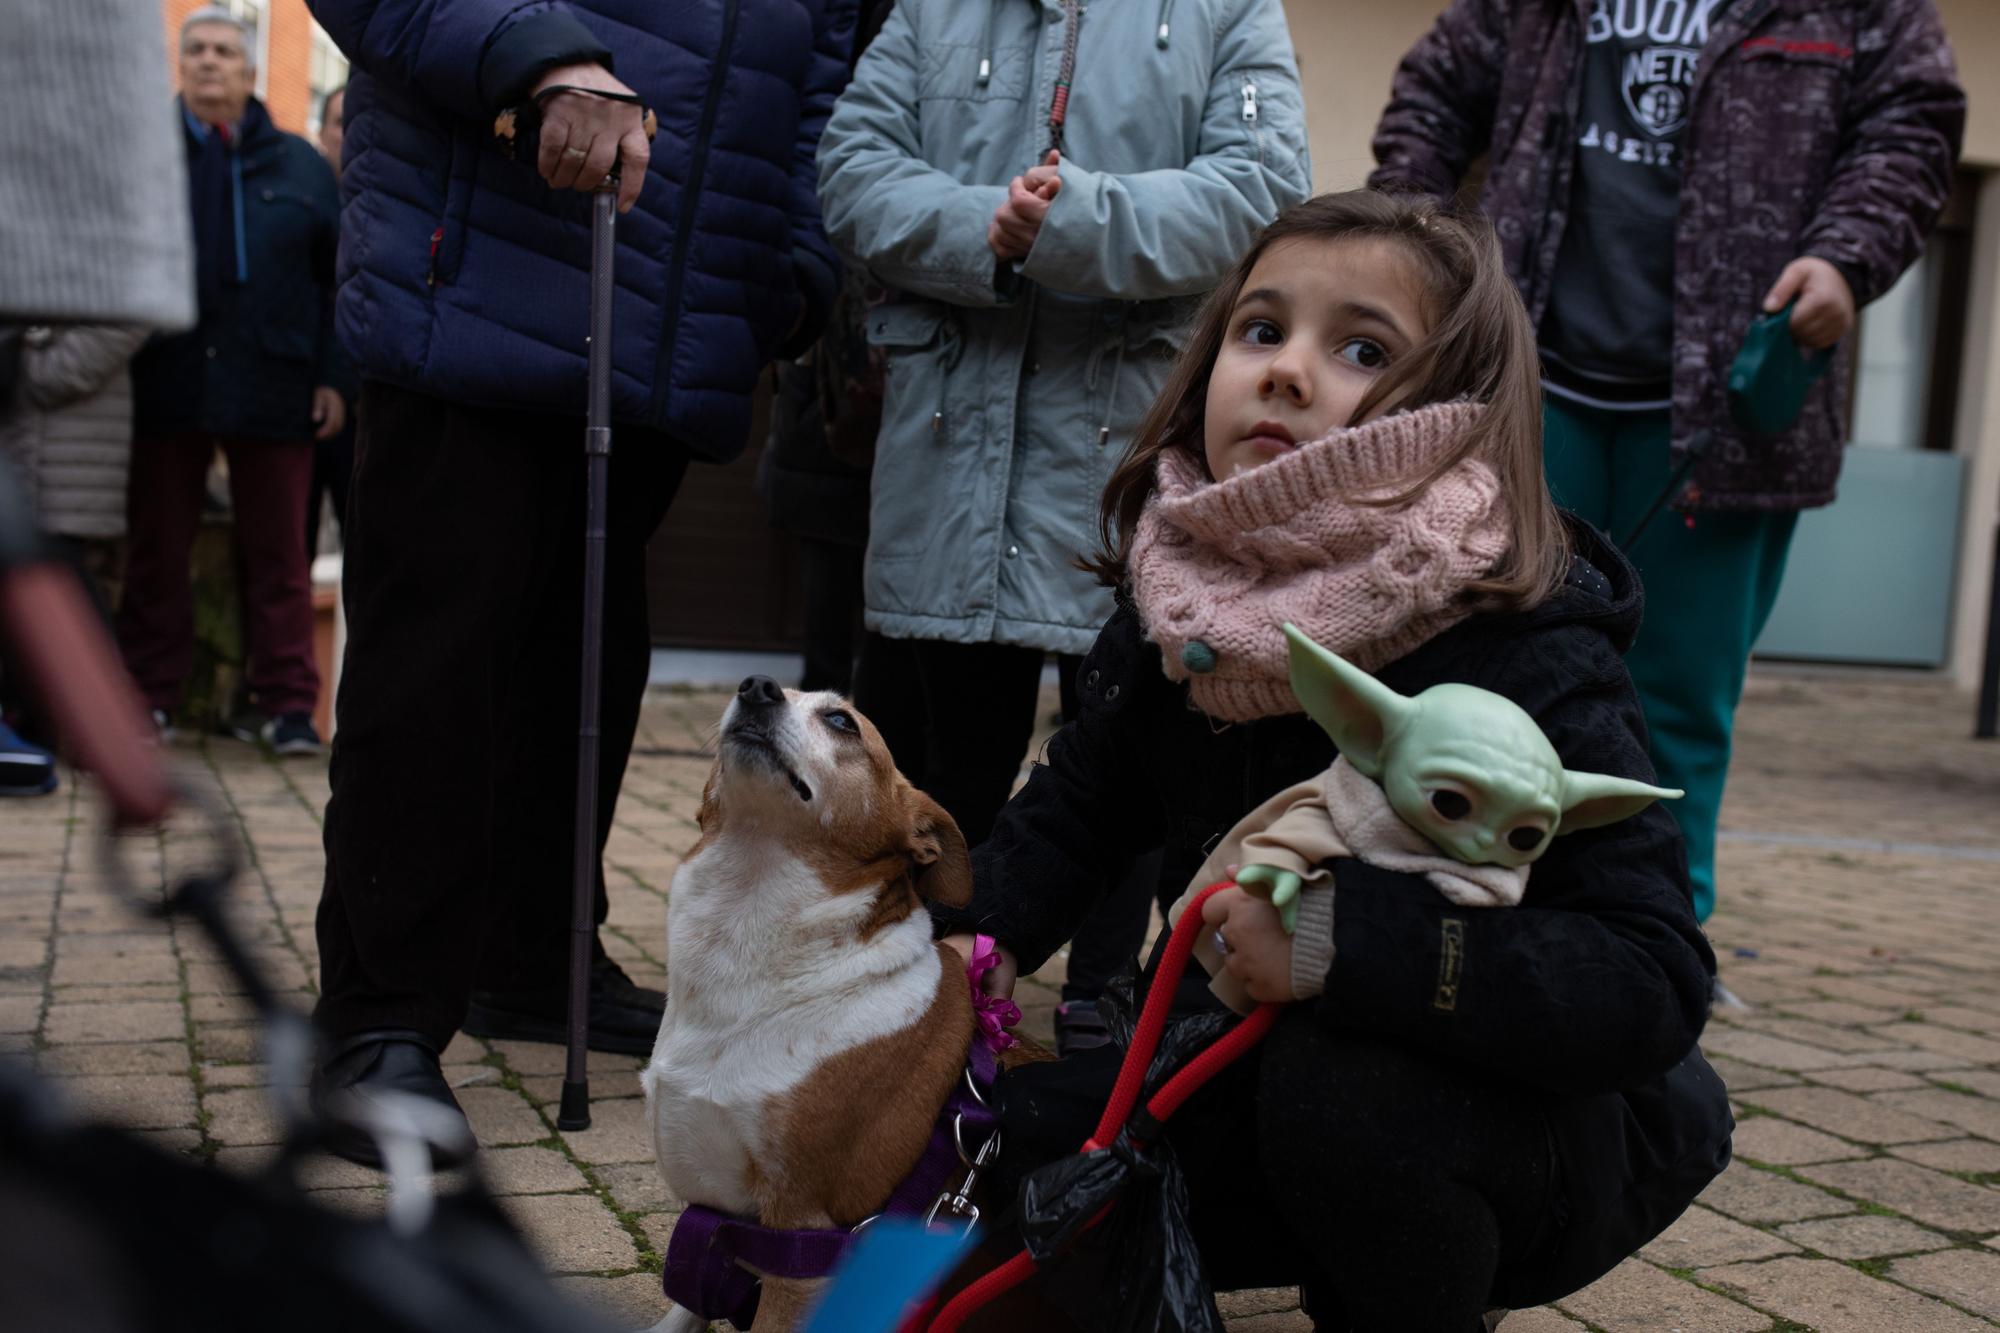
<point>813,1028</point>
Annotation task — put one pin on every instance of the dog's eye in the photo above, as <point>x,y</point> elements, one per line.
<point>840,721</point>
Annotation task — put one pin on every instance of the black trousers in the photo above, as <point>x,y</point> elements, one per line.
<point>1401,1193</point>
<point>963,735</point>
<point>831,572</point>
<point>448,836</point>
<point>957,718</point>
<point>333,473</point>
<point>1114,931</point>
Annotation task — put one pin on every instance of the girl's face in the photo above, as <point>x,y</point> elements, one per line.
<point>1317,323</point>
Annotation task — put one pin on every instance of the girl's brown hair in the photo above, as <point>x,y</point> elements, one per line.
<point>1480,347</point>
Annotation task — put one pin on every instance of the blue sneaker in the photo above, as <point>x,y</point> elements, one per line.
<point>25,770</point>
<point>291,734</point>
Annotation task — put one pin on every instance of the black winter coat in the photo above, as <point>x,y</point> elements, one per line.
<point>1594,989</point>
<point>249,368</point>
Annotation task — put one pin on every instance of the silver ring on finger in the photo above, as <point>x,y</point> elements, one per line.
<point>1221,944</point>
<point>577,153</point>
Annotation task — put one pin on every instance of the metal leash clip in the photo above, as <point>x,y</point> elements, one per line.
<point>955,1207</point>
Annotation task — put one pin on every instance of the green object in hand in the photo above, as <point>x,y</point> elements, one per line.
<point>1283,887</point>
<point>1770,376</point>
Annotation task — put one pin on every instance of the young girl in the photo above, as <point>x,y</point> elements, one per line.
<point>1460,1109</point>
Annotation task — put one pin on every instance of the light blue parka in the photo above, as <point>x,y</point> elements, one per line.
<point>1014,388</point>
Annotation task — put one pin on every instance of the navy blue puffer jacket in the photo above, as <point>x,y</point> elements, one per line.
<point>464,276</point>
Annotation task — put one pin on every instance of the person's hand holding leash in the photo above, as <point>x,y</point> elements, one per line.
<point>1825,311</point>
<point>1252,941</point>
<point>583,135</point>
<point>1018,221</point>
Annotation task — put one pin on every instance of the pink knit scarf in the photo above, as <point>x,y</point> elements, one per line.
<point>1218,567</point>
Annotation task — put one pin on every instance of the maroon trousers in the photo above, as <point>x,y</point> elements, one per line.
<point>268,481</point>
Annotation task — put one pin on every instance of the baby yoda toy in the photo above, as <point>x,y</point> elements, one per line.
<point>1455,770</point>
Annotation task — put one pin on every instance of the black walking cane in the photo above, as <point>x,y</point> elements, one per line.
<point>521,126</point>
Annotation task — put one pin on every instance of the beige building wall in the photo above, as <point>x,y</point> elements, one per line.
<point>1974,26</point>
<point>1348,51</point>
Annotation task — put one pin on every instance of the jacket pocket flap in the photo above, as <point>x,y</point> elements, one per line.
<point>905,325</point>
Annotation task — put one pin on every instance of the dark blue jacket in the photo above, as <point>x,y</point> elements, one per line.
<point>250,366</point>
<point>464,276</point>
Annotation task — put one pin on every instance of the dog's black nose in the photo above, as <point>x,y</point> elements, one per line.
<point>760,692</point>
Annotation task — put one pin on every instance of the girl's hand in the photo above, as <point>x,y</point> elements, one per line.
<point>1000,980</point>
<point>1255,948</point>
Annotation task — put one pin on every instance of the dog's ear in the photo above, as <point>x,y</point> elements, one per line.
<point>943,868</point>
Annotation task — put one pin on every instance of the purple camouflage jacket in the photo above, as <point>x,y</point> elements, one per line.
<point>1818,127</point>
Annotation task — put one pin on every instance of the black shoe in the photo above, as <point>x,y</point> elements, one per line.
<point>1079,1027</point>
<point>624,1017</point>
<point>386,1060</point>
<point>290,734</point>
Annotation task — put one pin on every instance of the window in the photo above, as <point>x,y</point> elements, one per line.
<point>1912,340</point>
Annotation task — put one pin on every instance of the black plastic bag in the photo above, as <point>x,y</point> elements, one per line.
<point>1193,1025</point>
<point>1138,1269</point>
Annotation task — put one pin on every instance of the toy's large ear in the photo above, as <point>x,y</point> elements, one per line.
<point>1591,800</point>
<point>1353,707</point>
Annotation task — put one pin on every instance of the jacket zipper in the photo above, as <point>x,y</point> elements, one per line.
<point>1566,157</point>
<point>1250,101</point>
<point>691,196</point>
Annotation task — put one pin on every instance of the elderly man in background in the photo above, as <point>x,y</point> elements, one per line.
<point>258,377</point>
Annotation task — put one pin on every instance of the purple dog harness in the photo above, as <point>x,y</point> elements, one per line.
<point>715,1261</point>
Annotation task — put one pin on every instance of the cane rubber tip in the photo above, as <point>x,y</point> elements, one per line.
<point>574,1112</point>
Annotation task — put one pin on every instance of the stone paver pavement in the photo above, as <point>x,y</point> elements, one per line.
<point>1861,880</point>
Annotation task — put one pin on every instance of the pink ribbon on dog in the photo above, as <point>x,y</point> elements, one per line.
<point>993,1013</point>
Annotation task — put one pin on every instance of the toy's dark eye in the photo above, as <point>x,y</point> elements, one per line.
<point>1525,838</point>
<point>1451,804</point>
<point>840,721</point>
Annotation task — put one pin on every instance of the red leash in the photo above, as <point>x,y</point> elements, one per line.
<point>1125,1095</point>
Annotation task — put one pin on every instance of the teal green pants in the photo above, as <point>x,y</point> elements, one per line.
<point>1709,589</point>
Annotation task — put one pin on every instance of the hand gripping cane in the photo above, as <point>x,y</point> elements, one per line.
<point>522,126</point>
